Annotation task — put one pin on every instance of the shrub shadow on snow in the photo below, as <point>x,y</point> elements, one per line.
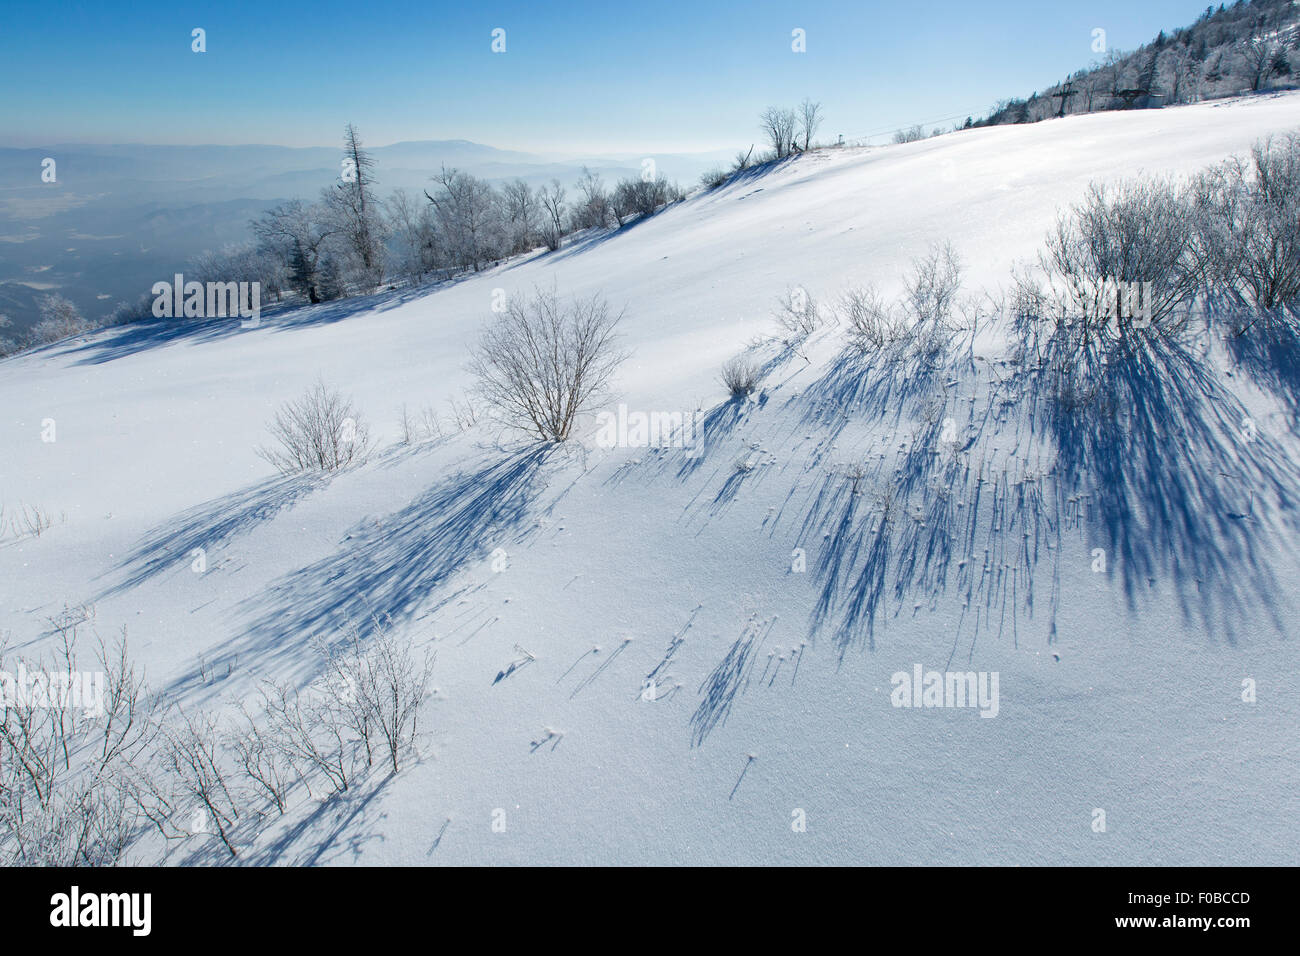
<point>727,681</point>
<point>1137,449</point>
<point>208,526</point>
<point>389,567</point>
<point>1170,476</point>
<point>1270,356</point>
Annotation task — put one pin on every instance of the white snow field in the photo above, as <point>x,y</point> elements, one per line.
<point>1118,691</point>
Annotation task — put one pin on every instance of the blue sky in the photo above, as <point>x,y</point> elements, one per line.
<point>613,77</point>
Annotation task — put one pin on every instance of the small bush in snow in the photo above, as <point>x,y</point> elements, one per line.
<point>59,319</point>
<point>798,313</point>
<point>933,284</point>
<point>872,322</point>
<point>714,178</point>
<point>382,687</point>
<point>740,375</point>
<point>321,431</point>
<point>543,362</point>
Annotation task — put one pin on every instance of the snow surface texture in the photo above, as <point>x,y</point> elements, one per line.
<point>1119,691</point>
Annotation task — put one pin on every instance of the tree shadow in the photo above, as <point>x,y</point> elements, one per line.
<point>388,568</point>
<point>208,526</point>
<point>146,334</point>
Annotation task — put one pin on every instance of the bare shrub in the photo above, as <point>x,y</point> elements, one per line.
<point>71,767</point>
<point>543,362</point>
<point>872,322</point>
<point>798,313</point>
<point>1248,226</point>
<point>30,521</point>
<point>912,134</point>
<point>193,755</point>
<point>463,413</point>
<point>262,759</point>
<point>59,319</point>
<point>382,687</point>
<point>321,431</point>
<point>1138,234</point>
<point>741,375</point>
<point>310,729</point>
<point>713,178</point>
<point>932,285</point>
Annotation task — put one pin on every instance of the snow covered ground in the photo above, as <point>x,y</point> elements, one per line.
<point>1118,691</point>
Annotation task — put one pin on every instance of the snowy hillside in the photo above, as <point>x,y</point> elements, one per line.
<point>769,583</point>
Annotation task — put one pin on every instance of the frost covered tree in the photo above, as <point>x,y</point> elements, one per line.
<point>357,214</point>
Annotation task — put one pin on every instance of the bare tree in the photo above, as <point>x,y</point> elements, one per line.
<point>521,212</point>
<point>543,362</point>
<point>778,125</point>
<point>552,199</point>
<point>412,223</point>
<point>810,119</point>
<point>297,234</point>
<point>1258,54</point>
<point>468,212</point>
<point>594,211</point>
<point>352,205</point>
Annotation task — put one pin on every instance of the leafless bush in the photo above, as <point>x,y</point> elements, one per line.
<point>382,688</point>
<point>1248,227</point>
<point>541,363</point>
<point>1138,235</point>
<point>59,319</point>
<point>933,283</point>
<point>798,313</point>
<point>409,426</point>
<point>463,413</point>
<point>261,758</point>
<point>72,760</point>
<point>911,135</point>
<point>311,731</point>
<point>321,431</point>
<point>740,375</point>
<point>193,755</point>
<point>28,521</point>
<point>8,346</point>
<point>872,322</point>
<point>714,178</point>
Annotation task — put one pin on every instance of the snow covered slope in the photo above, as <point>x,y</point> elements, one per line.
<point>1118,690</point>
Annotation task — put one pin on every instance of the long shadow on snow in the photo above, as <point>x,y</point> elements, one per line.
<point>388,568</point>
<point>141,336</point>
<point>1174,483</point>
<point>1270,355</point>
<point>170,546</point>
